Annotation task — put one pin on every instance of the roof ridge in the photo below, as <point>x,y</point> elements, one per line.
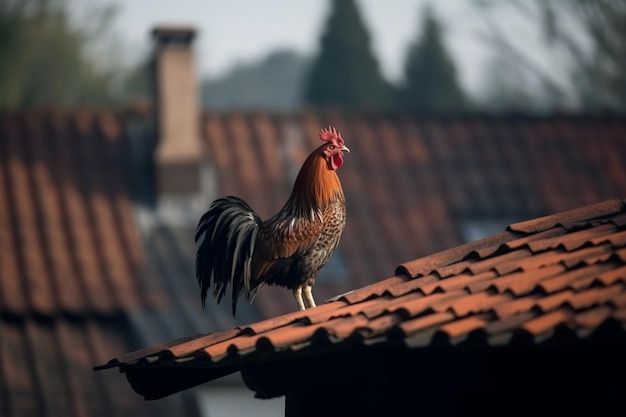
<point>605,208</point>
<point>427,264</point>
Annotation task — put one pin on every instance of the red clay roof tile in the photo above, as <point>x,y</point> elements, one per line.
<point>595,296</point>
<point>457,282</point>
<point>387,304</point>
<point>603,279</point>
<point>382,325</point>
<point>423,284</point>
<point>285,336</point>
<point>346,326</point>
<point>619,301</point>
<point>370,308</point>
<point>438,302</point>
<point>568,279</point>
<point>476,303</point>
<point>548,322</point>
<point>553,301</point>
<point>515,306</point>
<point>218,351</point>
<point>616,239</point>
<point>413,326</point>
<point>370,291</point>
<point>508,322</point>
<point>463,327</point>
<point>523,282</point>
<point>587,256</point>
<point>610,277</point>
<point>593,318</point>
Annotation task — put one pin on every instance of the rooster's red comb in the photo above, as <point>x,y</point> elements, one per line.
<point>330,134</point>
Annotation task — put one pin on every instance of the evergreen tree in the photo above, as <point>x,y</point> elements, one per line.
<point>44,59</point>
<point>430,74</point>
<point>346,73</point>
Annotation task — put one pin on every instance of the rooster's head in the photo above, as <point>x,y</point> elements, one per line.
<point>334,148</point>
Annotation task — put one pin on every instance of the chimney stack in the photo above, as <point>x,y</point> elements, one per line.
<point>179,152</point>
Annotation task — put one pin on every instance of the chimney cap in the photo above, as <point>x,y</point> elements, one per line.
<point>173,34</point>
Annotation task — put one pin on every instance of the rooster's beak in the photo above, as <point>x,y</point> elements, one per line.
<point>344,149</point>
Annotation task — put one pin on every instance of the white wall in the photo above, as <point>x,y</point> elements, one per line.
<point>235,399</point>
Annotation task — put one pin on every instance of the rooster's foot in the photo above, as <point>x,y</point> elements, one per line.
<point>298,294</point>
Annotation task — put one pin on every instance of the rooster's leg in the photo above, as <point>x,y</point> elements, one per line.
<point>298,294</point>
<point>309,295</point>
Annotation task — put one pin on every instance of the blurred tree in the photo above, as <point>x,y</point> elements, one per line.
<point>136,82</point>
<point>505,88</point>
<point>588,35</point>
<point>43,58</point>
<point>431,82</point>
<point>273,83</point>
<point>346,73</point>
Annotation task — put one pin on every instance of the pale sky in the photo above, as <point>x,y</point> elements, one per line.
<point>232,31</point>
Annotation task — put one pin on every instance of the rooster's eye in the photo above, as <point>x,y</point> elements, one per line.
<point>331,147</point>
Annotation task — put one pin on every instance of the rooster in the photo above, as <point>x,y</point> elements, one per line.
<point>236,247</point>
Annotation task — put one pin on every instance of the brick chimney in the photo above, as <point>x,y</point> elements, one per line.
<point>179,152</point>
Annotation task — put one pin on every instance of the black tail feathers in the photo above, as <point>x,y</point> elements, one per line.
<point>226,235</point>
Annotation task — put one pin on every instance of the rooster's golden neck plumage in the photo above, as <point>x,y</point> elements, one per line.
<point>316,185</point>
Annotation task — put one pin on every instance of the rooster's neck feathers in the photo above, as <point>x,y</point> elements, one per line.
<point>315,186</point>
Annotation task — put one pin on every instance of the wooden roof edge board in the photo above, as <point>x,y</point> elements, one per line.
<point>605,208</point>
<point>427,264</point>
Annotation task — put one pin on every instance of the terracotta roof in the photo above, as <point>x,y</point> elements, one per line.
<point>69,241</point>
<point>558,279</point>
<point>413,184</point>
<point>45,366</point>
<point>71,265</point>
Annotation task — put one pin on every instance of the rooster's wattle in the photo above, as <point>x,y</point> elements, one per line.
<point>236,247</point>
